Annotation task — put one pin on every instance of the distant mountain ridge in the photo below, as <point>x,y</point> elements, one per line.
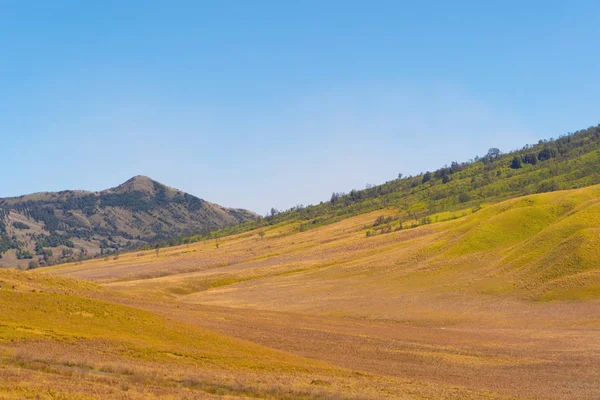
<point>58,226</point>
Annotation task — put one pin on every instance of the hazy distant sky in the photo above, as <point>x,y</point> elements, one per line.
<point>273,103</point>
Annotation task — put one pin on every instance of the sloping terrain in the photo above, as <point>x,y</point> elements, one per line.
<point>46,228</point>
<point>538,247</point>
<point>568,162</point>
<point>479,280</point>
<point>63,339</point>
<point>500,299</point>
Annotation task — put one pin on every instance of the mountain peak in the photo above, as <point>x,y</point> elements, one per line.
<point>134,213</point>
<point>139,183</point>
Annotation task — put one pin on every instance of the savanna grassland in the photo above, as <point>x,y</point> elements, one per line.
<point>498,301</point>
<point>62,338</point>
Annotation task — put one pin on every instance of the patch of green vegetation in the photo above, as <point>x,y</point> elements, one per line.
<point>570,161</point>
<point>504,229</point>
<point>20,225</point>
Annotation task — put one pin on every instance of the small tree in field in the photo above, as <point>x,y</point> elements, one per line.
<point>261,234</point>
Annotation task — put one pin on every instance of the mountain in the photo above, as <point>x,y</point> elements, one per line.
<point>69,225</point>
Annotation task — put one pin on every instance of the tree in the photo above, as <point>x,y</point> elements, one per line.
<point>446,179</point>
<point>516,163</point>
<point>530,158</point>
<point>426,177</point>
<point>33,265</point>
<point>400,175</point>
<point>493,153</point>
<point>335,196</point>
<point>455,167</point>
<point>547,154</point>
<point>261,234</point>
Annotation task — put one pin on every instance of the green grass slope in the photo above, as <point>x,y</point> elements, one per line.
<point>542,246</point>
<point>565,163</point>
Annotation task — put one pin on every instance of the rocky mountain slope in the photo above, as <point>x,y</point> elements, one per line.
<point>46,228</point>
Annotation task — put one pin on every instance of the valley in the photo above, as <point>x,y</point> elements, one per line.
<point>497,303</point>
<point>296,200</point>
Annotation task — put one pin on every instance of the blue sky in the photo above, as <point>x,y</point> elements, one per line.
<point>258,104</point>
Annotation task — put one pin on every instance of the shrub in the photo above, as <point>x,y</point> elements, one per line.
<point>20,225</point>
<point>464,197</point>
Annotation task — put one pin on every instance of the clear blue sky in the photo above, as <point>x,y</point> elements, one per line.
<point>273,103</point>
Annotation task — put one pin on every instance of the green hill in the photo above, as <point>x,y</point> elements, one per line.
<point>571,161</point>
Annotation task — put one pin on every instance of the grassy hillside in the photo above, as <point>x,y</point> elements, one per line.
<point>482,299</point>
<point>47,228</point>
<point>541,246</point>
<point>565,163</point>
<point>479,280</point>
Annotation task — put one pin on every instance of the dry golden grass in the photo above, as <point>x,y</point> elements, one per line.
<point>65,338</point>
<point>504,301</point>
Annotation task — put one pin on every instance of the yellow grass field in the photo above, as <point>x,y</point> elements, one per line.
<point>500,303</point>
